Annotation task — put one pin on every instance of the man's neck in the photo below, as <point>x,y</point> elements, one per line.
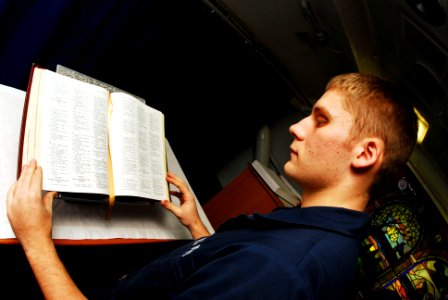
<point>336,197</point>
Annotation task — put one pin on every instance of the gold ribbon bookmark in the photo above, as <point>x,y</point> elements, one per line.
<point>111,201</point>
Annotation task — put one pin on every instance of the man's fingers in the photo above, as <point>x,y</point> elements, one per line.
<point>184,193</point>
<point>170,206</point>
<point>179,183</point>
<point>174,179</point>
<point>48,199</point>
<point>36,180</point>
<point>167,204</point>
<point>24,180</point>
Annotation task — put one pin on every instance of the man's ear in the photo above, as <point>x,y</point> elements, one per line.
<point>368,153</point>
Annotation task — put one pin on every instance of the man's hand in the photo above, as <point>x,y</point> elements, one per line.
<point>187,212</point>
<point>30,215</point>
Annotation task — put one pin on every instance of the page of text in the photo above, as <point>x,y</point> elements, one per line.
<point>73,135</point>
<point>137,138</point>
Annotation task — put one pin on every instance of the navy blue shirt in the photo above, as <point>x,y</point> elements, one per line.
<point>292,253</point>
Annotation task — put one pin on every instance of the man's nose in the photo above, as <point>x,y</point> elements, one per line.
<point>298,129</point>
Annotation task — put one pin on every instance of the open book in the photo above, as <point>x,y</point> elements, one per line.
<point>92,143</point>
<point>80,223</point>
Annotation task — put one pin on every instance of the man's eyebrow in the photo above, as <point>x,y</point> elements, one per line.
<point>321,110</point>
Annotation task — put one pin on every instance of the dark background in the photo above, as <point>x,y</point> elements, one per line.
<point>214,89</point>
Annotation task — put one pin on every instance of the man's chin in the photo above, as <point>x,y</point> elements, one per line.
<point>287,167</point>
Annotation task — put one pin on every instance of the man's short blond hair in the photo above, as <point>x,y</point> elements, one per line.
<point>379,109</point>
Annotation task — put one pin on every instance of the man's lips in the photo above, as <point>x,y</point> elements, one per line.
<point>293,152</point>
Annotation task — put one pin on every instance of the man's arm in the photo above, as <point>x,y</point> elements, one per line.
<point>243,271</point>
<point>30,216</point>
<point>187,212</point>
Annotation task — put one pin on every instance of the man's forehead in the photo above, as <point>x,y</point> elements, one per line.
<point>331,103</point>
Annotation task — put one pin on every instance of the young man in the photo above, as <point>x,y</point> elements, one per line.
<point>359,130</point>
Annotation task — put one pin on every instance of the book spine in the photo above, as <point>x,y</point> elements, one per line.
<point>23,126</point>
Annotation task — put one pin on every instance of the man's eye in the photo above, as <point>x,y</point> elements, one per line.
<point>321,121</point>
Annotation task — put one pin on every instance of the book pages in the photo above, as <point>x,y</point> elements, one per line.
<point>85,221</point>
<point>11,108</point>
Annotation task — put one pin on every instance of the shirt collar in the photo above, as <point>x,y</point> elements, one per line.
<point>345,221</point>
